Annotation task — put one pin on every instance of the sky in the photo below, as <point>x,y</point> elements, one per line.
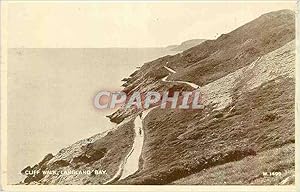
<point>126,24</point>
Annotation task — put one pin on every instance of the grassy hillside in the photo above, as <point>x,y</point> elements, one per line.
<point>248,87</point>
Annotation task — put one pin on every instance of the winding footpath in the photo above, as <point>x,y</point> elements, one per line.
<point>130,165</point>
<point>185,82</point>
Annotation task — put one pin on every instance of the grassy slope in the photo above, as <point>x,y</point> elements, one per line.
<point>180,143</point>
<point>214,59</point>
<point>250,170</point>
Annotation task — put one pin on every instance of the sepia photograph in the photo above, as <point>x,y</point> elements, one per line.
<point>135,96</point>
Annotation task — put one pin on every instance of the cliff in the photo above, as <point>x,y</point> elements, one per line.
<point>245,131</point>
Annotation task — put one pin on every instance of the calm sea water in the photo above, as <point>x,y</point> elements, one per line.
<point>50,95</point>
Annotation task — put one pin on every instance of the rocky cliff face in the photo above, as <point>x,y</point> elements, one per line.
<point>245,131</point>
